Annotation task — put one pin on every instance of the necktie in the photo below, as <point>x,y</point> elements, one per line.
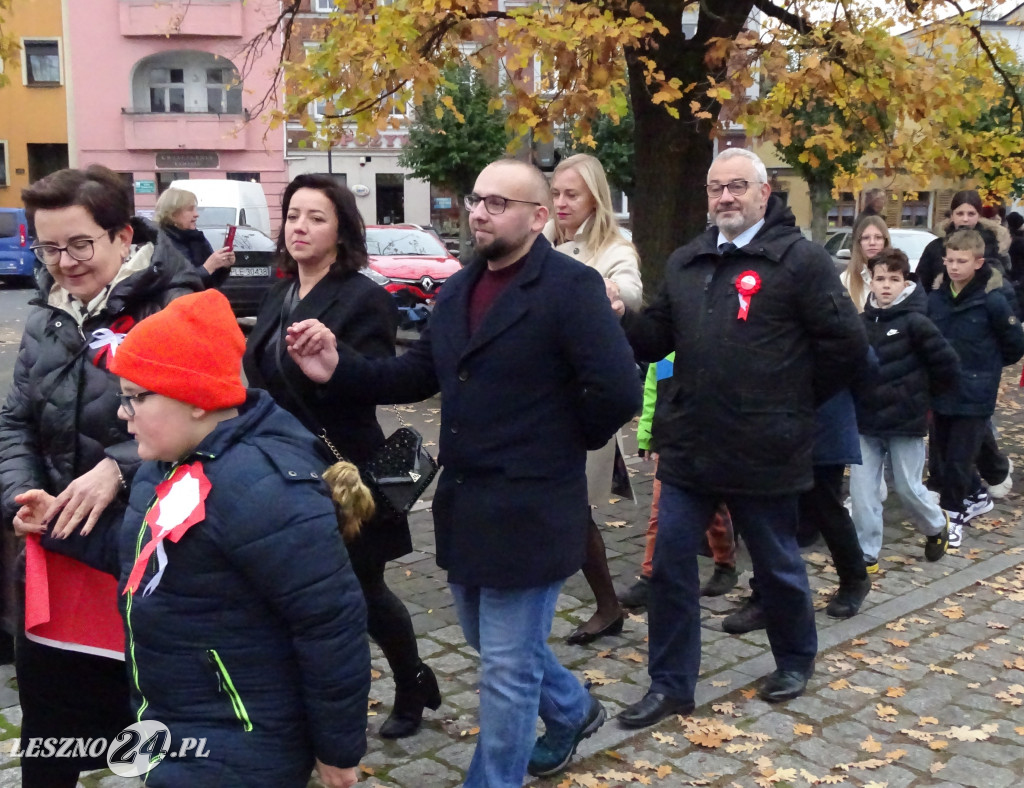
<point>727,247</point>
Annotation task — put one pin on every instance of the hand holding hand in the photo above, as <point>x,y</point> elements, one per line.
<point>84,499</point>
<point>29,518</point>
<point>314,348</point>
<point>614,297</point>
<point>333,777</point>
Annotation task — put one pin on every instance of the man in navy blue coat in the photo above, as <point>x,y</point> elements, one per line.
<point>534,370</point>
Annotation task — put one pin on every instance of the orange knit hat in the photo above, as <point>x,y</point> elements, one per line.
<point>190,351</point>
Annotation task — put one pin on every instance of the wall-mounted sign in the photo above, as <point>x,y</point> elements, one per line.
<point>187,160</point>
<point>145,187</point>
<point>361,190</point>
<point>442,203</point>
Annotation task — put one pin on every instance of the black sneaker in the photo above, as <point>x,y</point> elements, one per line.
<point>846,602</point>
<point>746,619</point>
<point>721,582</point>
<point>935,546</point>
<point>638,595</point>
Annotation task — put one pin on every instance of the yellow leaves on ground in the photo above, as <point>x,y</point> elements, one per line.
<point>895,692</point>
<point>870,745</point>
<point>799,729</point>
<point>598,677</point>
<point>886,713</point>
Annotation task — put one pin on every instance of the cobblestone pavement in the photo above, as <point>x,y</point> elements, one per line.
<point>923,688</point>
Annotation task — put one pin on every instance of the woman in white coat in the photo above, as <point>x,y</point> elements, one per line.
<point>585,228</point>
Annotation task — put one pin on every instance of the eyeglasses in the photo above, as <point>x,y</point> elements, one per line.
<point>81,249</point>
<point>736,188</point>
<point>493,203</point>
<point>128,401</point>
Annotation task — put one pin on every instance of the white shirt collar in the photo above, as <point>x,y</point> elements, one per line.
<point>743,238</point>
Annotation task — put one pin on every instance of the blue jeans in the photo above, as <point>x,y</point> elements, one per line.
<point>519,678</point>
<point>768,526</point>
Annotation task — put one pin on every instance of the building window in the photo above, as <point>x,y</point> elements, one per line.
<point>222,95</point>
<point>41,61</point>
<point>843,212</point>
<point>3,164</point>
<point>324,6</point>
<point>166,178</point>
<point>187,81</point>
<point>915,213</point>
<point>167,90</point>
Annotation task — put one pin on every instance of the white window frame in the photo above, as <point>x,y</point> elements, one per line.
<point>24,61</point>
<point>167,87</point>
<point>6,160</point>
<point>323,6</point>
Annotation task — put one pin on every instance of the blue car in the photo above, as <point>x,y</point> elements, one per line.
<point>17,261</point>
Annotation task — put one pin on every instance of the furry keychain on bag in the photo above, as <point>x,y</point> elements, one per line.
<point>353,500</point>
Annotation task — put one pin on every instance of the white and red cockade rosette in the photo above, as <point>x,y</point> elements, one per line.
<point>747,284</point>
<point>180,504</point>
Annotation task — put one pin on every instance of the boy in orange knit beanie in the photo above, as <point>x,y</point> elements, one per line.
<point>245,621</point>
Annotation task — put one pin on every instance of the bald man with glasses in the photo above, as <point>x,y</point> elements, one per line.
<point>533,370</point>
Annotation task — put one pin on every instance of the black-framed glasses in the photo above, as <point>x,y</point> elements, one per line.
<point>128,401</point>
<point>493,203</point>
<point>81,249</point>
<point>736,188</point>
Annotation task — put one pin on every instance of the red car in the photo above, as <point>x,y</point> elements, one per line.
<point>414,259</point>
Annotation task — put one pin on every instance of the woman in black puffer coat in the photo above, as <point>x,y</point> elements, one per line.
<point>59,433</point>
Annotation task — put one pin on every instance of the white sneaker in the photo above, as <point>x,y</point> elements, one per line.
<point>956,528</point>
<point>1002,489</point>
<point>976,504</point>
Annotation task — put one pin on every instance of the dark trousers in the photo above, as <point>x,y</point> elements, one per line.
<point>821,509</point>
<point>768,527</point>
<point>388,623</point>
<point>67,693</point>
<point>992,464</point>
<point>956,441</point>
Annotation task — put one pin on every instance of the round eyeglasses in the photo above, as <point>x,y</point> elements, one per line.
<point>81,249</point>
<point>736,188</point>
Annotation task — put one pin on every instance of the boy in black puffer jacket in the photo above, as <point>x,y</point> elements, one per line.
<point>892,409</point>
<point>972,312</point>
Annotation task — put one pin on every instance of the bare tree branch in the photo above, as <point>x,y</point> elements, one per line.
<point>768,8</point>
<point>1009,82</point>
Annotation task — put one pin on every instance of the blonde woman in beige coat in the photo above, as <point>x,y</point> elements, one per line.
<point>584,227</point>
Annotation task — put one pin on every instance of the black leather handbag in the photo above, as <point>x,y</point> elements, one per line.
<point>400,470</point>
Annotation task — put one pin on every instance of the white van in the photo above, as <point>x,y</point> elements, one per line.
<point>222,202</point>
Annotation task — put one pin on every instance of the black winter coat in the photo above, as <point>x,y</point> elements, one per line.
<point>914,360</point>
<point>195,247</point>
<point>739,415</point>
<point>986,335</point>
<point>546,376</point>
<point>255,635</point>
<point>363,316</point>
<point>60,416</point>
<point>997,246</point>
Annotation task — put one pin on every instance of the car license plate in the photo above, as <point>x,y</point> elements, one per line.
<point>261,270</point>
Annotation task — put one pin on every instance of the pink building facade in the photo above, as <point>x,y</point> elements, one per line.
<point>158,94</point>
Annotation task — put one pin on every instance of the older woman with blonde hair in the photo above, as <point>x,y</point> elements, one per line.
<point>585,228</point>
<point>176,215</point>
<point>869,238</point>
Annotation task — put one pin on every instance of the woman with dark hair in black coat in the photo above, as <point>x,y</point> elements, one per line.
<point>323,244</point>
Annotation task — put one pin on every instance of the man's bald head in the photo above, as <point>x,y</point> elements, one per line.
<point>530,183</point>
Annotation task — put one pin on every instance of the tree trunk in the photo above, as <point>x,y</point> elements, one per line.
<point>465,236</point>
<point>672,156</point>
<point>821,204</point>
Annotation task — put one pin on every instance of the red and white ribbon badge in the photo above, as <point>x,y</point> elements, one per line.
<point>180,504</point>
<point>747,284</point>
<point>107,339</point>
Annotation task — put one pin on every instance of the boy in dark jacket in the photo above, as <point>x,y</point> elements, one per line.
<point>892,409</point>
<point>245,623</point>
<point>974,315</point>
